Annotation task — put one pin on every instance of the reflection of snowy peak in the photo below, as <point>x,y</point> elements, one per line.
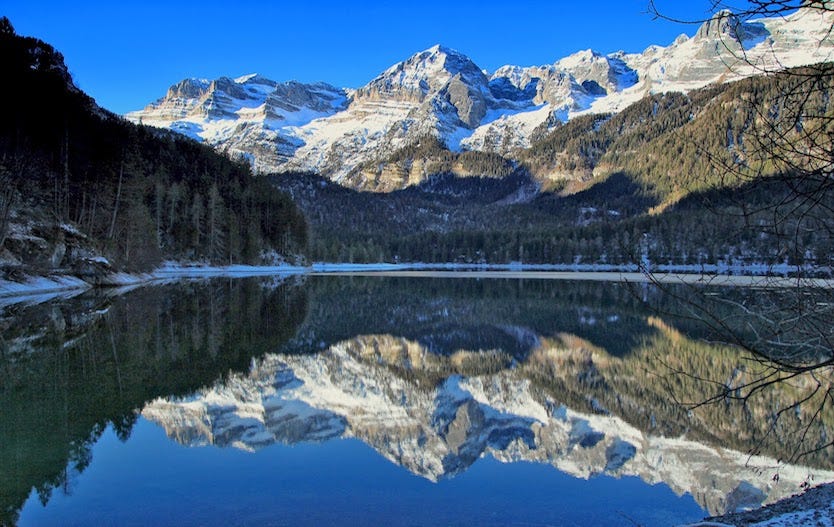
<point>443,93</point>
<point>407,404</point>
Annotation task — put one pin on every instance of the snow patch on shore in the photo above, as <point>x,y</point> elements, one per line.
<point>33,285</point>
<point>736,275</point>
<point>196,270</point>
<point>814,507</point>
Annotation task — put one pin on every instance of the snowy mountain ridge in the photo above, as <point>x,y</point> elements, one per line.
<point>443,93</point>
<point>247,116</point>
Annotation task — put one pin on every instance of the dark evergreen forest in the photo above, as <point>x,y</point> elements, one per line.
<point>137,195</point>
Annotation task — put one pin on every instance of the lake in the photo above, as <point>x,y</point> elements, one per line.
<point>372,400</point>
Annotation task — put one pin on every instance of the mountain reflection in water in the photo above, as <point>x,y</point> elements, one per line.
<point>432,374</point>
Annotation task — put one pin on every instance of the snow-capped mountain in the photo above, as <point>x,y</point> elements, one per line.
<point>437,92</point>
<point>443,93</point>
<point>370,388</point>
<point>249,116</point>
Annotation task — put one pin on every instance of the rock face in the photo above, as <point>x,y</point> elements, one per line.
<point>718,52</point>
<point>599,74</point>
<point>411,406</point>
<point>443,93</point>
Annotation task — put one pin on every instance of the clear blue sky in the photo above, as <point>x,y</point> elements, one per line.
<point>127,53</point>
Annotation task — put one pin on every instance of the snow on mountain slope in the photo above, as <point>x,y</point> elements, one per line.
<point>599,74</point>
<point>724,49</point>
<point>250,116</point>
<point>443,93</point>
<point>438,92</point>
<point>410,406</point>
<point>546,96</point>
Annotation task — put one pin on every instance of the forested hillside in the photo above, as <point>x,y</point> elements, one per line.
<point>674,144</point>
<point>681,179</point>
<point>77,182</point>
<point>671,143</point>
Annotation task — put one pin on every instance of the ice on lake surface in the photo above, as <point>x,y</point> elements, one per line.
<point>380,400</point>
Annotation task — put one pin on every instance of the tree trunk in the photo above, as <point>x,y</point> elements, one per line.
<point>6,199</point>
<point>116,205</point>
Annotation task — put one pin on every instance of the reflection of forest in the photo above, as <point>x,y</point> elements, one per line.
<point>594,346</point>
<point>446,315</point>
<point>71,368</point>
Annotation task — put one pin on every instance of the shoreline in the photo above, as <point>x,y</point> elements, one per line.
<point>599,276</point>
<point>35,285</point>
<point>807,507</point>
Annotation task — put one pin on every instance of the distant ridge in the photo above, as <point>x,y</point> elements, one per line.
<point>442,93</point>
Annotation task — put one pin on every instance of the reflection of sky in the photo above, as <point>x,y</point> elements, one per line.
<point>150,480</point>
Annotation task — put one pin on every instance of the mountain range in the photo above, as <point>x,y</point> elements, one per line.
<point>442,94</point>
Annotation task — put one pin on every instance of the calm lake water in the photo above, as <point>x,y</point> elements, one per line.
<point>381,401</point>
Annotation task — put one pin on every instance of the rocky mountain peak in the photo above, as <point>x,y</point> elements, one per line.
<point>720,24</point>
<point>319,96</point>
<point>597,73</point>
<point>188,89</point>
<point>725,24</point>
<point>253,78</point>
<point>451,60</point>
<point>421,75</point>
<point>581,56</point>
<point>680,39</point>
<point>227,86</point>
<point>454,61</point>
<point>719,51</point>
